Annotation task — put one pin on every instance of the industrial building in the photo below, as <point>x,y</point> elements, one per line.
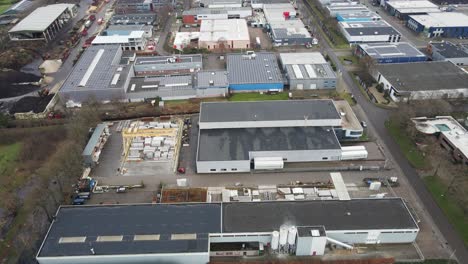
<point>96,142</point>
<point>306,71</point>
<point>224,34</point>
<point>254,72</point>
<point>98,75</point>
<point>184,40</point>
<point>448,51</point>
<point>127,29</point>
<point>133,6</point>
<point>403,9</point>
<point>352,8</point>
<point>401,52</point>
<point>240,136</point>
<point>44,23</point>
<point>190,232</point>
<point>279,12</point>
<point>259,4</point>
<point>211,83</point>
<point>350,127</point>
<point>358,17</point>
<point>133,40</point>
<point>422,80</point>
<point>289,32</point>
<point>177,87</point>
<point>167,65</point>
<point>371,31</point>
<point>443,24</point>
<point>196,15</point>
<point>133,19</point>
<point>220,3</point>
<point>451,134</point>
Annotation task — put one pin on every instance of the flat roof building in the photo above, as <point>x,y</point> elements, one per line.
<point>220,3</point>
<point>254,72</point>
<point>182,233</point>
<point>448,51</point>
<point>133,40</point>
<point>133,6</point>
<point>133,19</point>
<point>167,65</point>
<point>98,75</point>
<point>224,34</point>
<point>305,74</point>
<point>43,23</point>
<point>422,80</point>
<point>443,24</point>
<point>350,8</point>
<point>358,17</point>
<point>259,4</point>
<point>279,12</point>
<point>127,29</point>
<point>196,15</point>
<point>177,87</point>
<point>211,83</point>
<point>370,31</point>
<point>403,9</point>
<point>289,32</point>
<point>401,52</point>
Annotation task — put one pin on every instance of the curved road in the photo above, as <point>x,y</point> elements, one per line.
<point>376,118</point>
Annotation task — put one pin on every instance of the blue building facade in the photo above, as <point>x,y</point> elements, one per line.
<point>446,24</point>
<point>256,87</point>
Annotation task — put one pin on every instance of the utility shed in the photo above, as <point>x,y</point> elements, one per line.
<point>401,52</point>
<point>93,147</point>
<point>254,72</point>
<point>422,80</point>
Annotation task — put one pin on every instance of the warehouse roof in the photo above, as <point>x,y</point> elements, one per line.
<point>213,30</point>
<point>146,28</point>
<point>217,10</point>
<point>408,7</point>
<point>449,50</point>
<point>129,19</point>
<point>379,27</point>
<point>131,229</point>
<point>391,50</point>
<point>94,140</point>
<point>424,76</point>
<point>442,19</point>
<point>212,3</point>
<point>309,71</point>
<point>175,59</point>
<point>356,214</point>
<point>268,111</point>
<point>247,69</point>
<point>119,39</point>
<point>41,18</point>
<point>367,14</point>
<point>163,84</point>
<point>302,58</point>
<point>207,79</point>
<point>236,143</point>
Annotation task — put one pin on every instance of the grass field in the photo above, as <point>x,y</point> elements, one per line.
<point>8,157</point>
<point>258,97</point>
<point>408,147</point>
<point>449,205</point>
<point>4,5</point>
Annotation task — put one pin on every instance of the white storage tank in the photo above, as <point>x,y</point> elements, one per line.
<point>283,235</point>
<point>268,163</point>
<point>353,155</point>
<point>275,240</point>
<point>292,232</point>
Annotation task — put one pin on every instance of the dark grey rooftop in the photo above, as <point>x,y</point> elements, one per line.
<point>92,142</point>
<point>356,214</point>
<point>450,50</point>
<point>160,83</point>
<point>291,33</point>
<point>129,220</point>
<point>236,143</point>
<point>305,231</point>
<point>218,79</point>
<point>146,18</point>
<point>268,111</point>
<point>424,76</point>
<point>391,50</point>
<point>244,69</point>
<point>385,30</point>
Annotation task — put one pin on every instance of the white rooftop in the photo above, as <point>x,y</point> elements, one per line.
<point>118,39</point>
<point>41,18</point>
<point>224,29</point>
<point>446,125</point>
<point>302,58</point>
<point>412,4</point>
<point>442,19</point>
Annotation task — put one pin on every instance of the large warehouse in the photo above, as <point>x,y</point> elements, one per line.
<point>254,72</point>
<point>240,136</point>
<point>422,80</point>
<point>43,23</point>
<point>224,34</point>
<point>443,24</point>
<point>403,9</point>
<point>189,233</point>
<point>308,70</point>
<point>167,65</point>
<point>370,31</point>
<point>448,51</point>
<point>400,52</point>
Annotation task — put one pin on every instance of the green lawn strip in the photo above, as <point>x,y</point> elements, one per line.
<point>258,97</point>
<point>407,146</point>
<point>8,157</point>
<point>449,205</point>
<point>347,97</point>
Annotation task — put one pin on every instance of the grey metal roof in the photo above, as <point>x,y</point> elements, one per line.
<point>244,69</point>
<point>220,2</point>
<point>268,110</point>
<point>236,143</point>
<point>320,70</point>
<point>128,221</point>
<point>290,33</point>
<point>424,76</point>
<point>391,50</point>
<point>41,18</point>
<point>450,50</point>
<point>146,28</point>
<point>103,73</point>
<point>204,11</point>
<point>94,139</point>
<point>161,84</point>
<point>146,18</point>
<point>191,58</point>
<point>20,7</point>
<point>356,214</point>
<point>219,79</point>
<point>385,30</point>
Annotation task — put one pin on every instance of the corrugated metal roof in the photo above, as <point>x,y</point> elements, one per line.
<point>244,69</point>
<point>92,142</point>
<point>302,58</point>
<point>41,18</point>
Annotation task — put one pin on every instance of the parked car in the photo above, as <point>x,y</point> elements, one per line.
<point>121,190</point>
<point>78,201</point>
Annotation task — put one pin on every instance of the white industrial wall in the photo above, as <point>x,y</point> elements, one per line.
<point>305,246</point>
<point>385,236</point>
<point>263,238</point>
<point>278,123</point>
<point>300,155</point>
<point>229,44</point>
<point>182,258</point>
<point>239,165</point>
<point>311,84</point>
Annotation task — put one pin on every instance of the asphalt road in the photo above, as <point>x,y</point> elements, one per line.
<point>376,118</point>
